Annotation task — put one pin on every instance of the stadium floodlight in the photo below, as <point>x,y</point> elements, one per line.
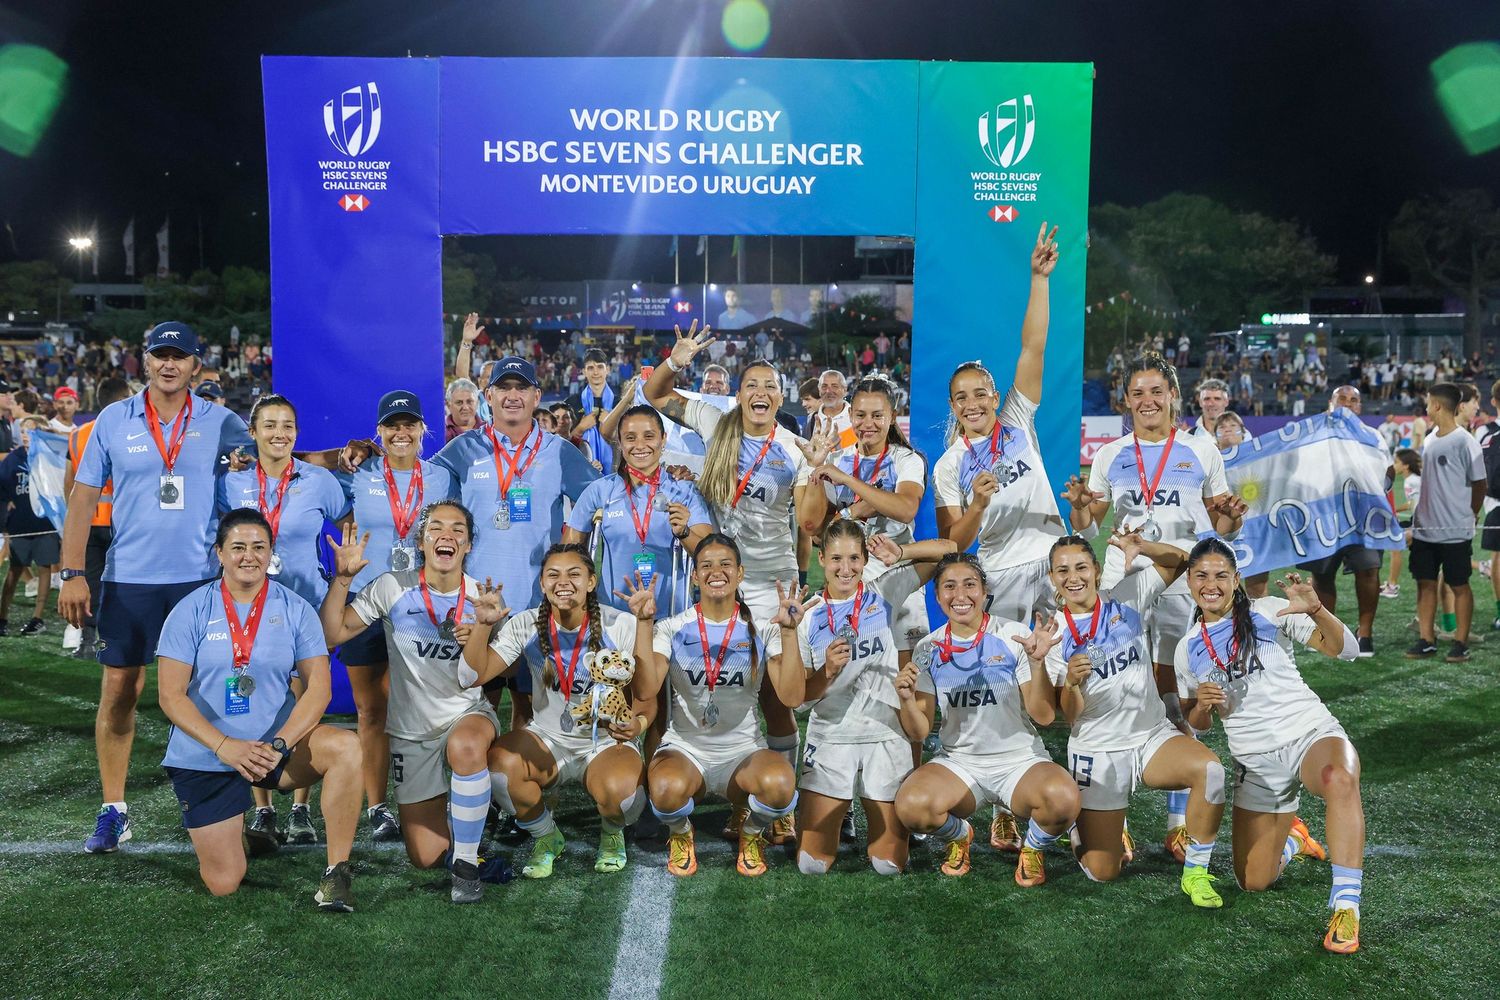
<point>80,243</point>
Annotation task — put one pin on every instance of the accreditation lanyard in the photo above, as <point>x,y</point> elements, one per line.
<point>566,678</point>
<point>504,477</point>
<point>169,452</point>
<point>242,637</point>
<point>950,649</point>
<point>273,514</point>
<point>739,490</point>
<point>714,665</point>
<point>1148,493</point>
<point>404,513</point>
<point>642,524</point>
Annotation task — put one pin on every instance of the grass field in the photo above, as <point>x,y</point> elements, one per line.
<point>139,924</point>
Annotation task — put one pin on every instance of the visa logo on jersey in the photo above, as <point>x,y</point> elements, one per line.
<point>864,648</point>
<point>971,698</point>
<point>1163,498</point>
<point>438,650</point>
<point>699,678</point>
<point>1120,661</point>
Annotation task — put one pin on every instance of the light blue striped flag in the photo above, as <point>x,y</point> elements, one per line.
<point>47,457</point>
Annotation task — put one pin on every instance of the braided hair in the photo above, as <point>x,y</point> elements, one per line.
<point>723,540</point>
<point>544,612</point>
<point>1244,626</point>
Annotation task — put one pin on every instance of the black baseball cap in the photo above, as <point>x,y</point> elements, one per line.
<point>398,403</point>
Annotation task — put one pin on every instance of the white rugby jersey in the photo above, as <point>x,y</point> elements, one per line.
<point>1193,472</point>
<point>762,520</point>
<point>1121,705</point>
<point>1021,522</point>
<point>861,704</point>
<point>1270,704</point>
<point>426,696</point>
<point>885,472</point>
<point>977,684</point>
<point>517,642</point>
<point>736,692</point>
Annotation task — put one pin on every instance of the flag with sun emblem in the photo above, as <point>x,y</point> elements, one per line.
<point>1313,487</point>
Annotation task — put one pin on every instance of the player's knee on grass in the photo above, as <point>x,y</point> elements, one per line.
<point>1100,866</point>
<point>223,878</point>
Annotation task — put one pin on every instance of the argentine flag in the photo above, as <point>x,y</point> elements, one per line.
<point>47,457</point>
<point>1313,487</point>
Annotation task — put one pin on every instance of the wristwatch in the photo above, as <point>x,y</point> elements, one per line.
<point>279,745</point>
<point>69,574</point>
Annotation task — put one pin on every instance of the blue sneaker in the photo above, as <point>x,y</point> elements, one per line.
<point>111,829</point>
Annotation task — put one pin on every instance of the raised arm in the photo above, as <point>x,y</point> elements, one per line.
<point>1037,692</point>
<point>481,663</point>
<point>788,676</point>
<point>340,621</point>
<point>661,390</point>
<point>1034,326</point>
<point>916,706</point>
<point>610,425</point>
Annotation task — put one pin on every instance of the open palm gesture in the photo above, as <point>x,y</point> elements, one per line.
<point>349,552</point>
<point>639,596</point>
<point>1301,598</point>
<point>489,604</point>
<point>689,344</point>
<point>791,603</point>
<point>1043,636</point>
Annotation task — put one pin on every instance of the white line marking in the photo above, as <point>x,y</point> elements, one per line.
<point>642,952</point>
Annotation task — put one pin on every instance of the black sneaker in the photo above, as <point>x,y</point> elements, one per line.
<point>34,627</point>
<point>4,628</point>
<point>466,885</point>
<point>1458,653</point>
<point>299,828</point>
<point>1421,649</point>
<point>1366,646</point>
<point>335,894</point>
<point>261,835</point>
<point>383,825</point>
<point>847,833</point>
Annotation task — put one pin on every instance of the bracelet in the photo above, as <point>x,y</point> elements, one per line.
<point>674,366</point>
<point>221,744</point>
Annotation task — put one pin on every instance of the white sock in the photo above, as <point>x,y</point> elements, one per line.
<point>122,807</point>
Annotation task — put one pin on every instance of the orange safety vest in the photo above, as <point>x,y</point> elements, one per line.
<point>78,439</point>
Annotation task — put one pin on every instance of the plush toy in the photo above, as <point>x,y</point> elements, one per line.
<point>608,701</point>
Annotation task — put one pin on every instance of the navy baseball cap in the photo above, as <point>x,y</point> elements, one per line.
<point>209,390</point>
<point>179,336</point>
<point>517,367</point>
<point>398,403</point>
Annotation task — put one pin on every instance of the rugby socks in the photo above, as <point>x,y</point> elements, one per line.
<point>1198,855</point>
<point>786,746</point>
<point>539,827</point>
<point>762,815</point>
<point>1038,839</point>
<point>468,804</point>
<point>1177,809</point>
<point>952,829</point>
<point>1450,621</point>
<point>1288,852</point>
<point>120,807</point>
<point>1345,892</point>
<point>678,821</point>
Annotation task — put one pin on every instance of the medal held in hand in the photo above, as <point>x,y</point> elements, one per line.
<point>1093,650</point>
<point>447,629</point>
<point>660,504</point>
<point>1096,654</point>
<point>1219,677</point>
<point>850,629</point>
<point>847,634</point>
<point>1219,672</point>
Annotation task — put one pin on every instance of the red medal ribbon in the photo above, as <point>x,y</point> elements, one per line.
<point>739,490</point>
<point>566,679</point>
<point>859,599</point>
<point>875,472</point>
<point>169,452</point>
<point>504,477</point>
<point>242,638</point>
<point>642,525</point>
<point>273,514</point>
<point>404,513</point>
<point>1213,654</point>
<point>458,609</point>
<point>1093,623</point>
<point>1148,493</point>
<point>949,648</point>
<point>994,444</point>
<point>712,669</point>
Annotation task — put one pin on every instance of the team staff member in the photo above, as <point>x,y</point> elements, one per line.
<point>435,719</point>
<point>228,650</point>
<point>1237,663</point>
<point>111,390</point>
<point>713,659</point>
<point>387,495</point>
<point>1213,401</point>
<point>1173,489</point>
<point>832,418</point>
<point>162,450</point>
<point>295,498</point>
<point>754,484</point>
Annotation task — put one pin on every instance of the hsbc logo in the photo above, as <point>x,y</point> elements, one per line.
<point>1013,122</point>
<point>1002,213</point>
<point>682,307</point>
<point>352,120</point>
<point>354,203</point>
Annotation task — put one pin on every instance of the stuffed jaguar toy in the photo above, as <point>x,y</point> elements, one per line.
<point>608,699</point>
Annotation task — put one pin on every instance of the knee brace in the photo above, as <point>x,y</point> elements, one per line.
<point>884,867</point>
<point>1213,785</point>
<point>632,807</point>
<point>771,813</point>
<point>676,815</point>
<point>500,790</point>
<point>809,865</point>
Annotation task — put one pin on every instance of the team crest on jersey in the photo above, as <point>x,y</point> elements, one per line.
<point>1183,465</point>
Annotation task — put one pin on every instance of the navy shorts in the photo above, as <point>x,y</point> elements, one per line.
<point>209,797</point>
<point>367,648</point>
<point>1452,559</point>
<point>131,617</point>
<point>1489,538</point>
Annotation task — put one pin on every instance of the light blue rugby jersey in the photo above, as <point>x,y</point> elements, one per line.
<point>313,496</point>
<point>366,492</point>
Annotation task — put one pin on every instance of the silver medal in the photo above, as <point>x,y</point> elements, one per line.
<point>448,629</point>
<point>660,504</point>
<point>1219,677</point>
<point>169,493</point>
<point>502,517</point>
<point>1002,469</point>
<point>1096,654</point>
<point>275,567</point>
<point>847,634</point>
<point>565,721</point>
<point>710,714</point>
<point>922,657</point>
<point>1151,531</point>
<point>244,685</point>
<point>932,744</point>
<point>402,559</point>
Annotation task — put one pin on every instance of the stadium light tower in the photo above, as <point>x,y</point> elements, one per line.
<point>82,244</point>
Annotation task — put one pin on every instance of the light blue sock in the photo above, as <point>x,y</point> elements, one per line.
<point>539,827</point>
<point>1198,854</point>
<point>1345,892</point>
<point>951,830</point>
<point>1037,838</point>
<point>1288,852</point>
<point>762,815</point>
<point>676,820</point>
<point>1177,808</point>
<point>468,802</point>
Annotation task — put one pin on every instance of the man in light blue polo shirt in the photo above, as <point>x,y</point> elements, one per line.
<point>163,451</point>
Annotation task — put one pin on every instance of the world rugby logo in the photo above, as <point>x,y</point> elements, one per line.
<point>354,125</point>
<point>1013,120</point>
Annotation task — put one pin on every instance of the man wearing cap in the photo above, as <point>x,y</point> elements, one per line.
<point>64,408</point>
<point>596,398</point>
<point>161,450</point>
<point>211,392</point>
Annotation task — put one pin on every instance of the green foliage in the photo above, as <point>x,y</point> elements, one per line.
<point>471,282</point>
<point>31,285</point>
<point>1452,240</point>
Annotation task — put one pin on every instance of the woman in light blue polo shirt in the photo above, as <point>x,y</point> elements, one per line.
<point>227,652</point>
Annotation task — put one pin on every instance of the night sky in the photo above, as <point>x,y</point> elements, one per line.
<point>1317,111</point>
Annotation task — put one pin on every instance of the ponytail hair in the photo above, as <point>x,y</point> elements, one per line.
<point>721,462</point>
<point>843,527</point>
<point>953,559</point>
<point>544,613</point>
<point>951,430</point>
<point>1244,626</point>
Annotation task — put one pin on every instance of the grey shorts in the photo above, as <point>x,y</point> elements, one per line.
<point>1352,557</point>
<point>36,550</point>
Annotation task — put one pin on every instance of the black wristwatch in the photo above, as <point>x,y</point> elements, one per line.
<point>69,574</point>
<point>279,745</point>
